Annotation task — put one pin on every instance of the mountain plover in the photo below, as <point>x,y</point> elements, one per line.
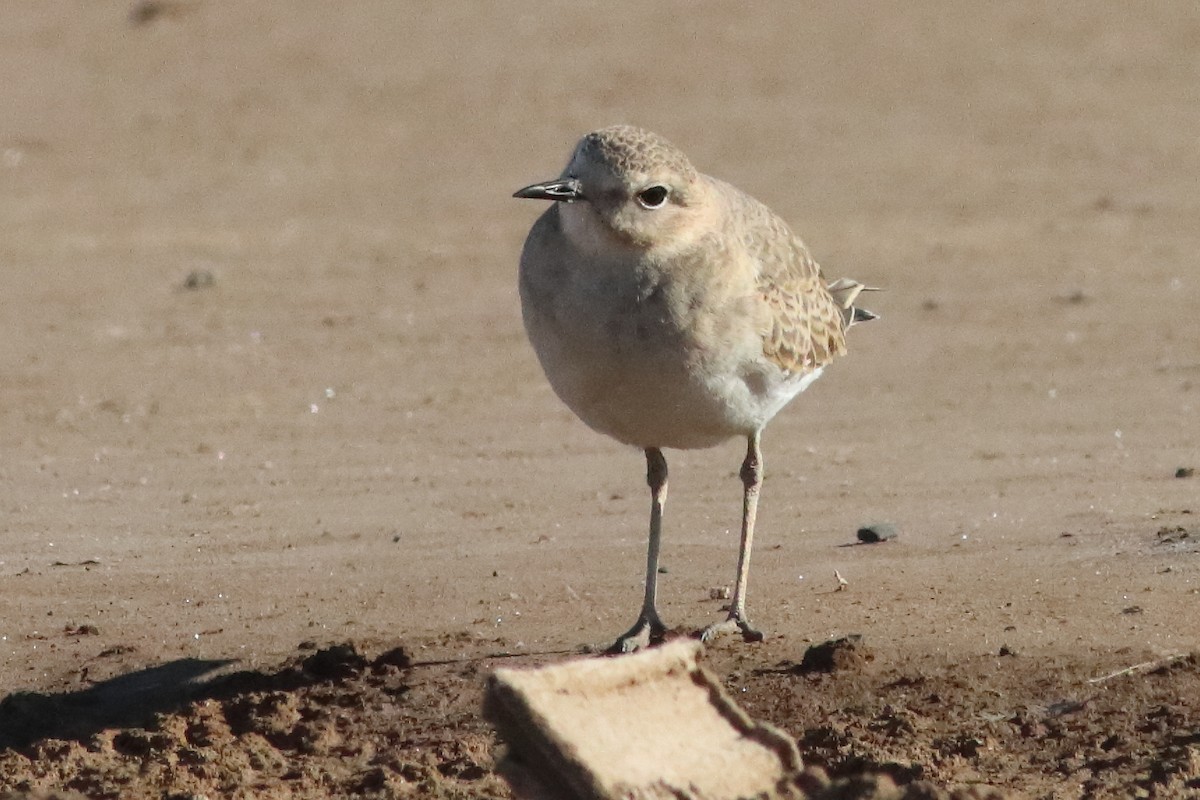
<point>670,310</point>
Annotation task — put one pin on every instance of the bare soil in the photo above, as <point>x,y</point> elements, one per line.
<point>282,482</point>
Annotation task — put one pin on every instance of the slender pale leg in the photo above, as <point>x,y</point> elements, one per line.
<point>752,477</point>
<point>649,628</point>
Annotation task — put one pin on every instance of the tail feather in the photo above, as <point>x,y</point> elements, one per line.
<point>844,292</point>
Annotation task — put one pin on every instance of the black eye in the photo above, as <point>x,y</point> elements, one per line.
<point>653,197</point>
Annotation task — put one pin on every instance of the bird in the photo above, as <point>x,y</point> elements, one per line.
<point>670,310</point>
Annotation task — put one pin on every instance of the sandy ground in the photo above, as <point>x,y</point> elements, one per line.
<point>344,437</point>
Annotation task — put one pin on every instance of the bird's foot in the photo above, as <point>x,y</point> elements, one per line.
<point>648,630</point>
<point>735,622</point>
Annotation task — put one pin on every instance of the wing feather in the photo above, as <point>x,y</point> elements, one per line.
<point>805,320</point>
<point>808,327</point>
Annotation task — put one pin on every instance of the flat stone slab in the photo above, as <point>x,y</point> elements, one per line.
<point>653,724</point>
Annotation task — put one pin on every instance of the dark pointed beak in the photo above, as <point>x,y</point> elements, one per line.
<point>566,189</point>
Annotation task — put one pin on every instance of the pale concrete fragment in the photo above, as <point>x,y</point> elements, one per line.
<point>650,725</point>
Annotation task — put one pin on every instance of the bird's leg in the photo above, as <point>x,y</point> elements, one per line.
<point>649,628</point>
<point>752,477</point>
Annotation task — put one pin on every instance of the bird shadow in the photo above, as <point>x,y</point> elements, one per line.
<point>130,699</point>
<point>134,699</point>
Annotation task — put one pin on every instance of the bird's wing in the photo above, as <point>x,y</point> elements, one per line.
<point>806,323</point>
<point>804,318</point>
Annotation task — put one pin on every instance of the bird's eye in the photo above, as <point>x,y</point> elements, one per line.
<point>653,197</point>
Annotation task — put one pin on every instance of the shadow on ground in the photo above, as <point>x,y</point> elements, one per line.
<point>136,698</point>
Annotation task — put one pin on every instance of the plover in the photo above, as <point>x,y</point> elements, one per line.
<point>670,310</point>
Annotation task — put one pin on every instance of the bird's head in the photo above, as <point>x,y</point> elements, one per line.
<point>630,186</point>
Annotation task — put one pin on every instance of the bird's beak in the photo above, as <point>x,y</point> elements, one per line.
<point>566,189</point>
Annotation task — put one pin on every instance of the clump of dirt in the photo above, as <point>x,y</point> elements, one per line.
<point>845,653</point>
<point>1177,538</point>
<point>815,784</point>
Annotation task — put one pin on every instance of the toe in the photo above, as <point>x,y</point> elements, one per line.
<point>713,631</point>
<point>733,623</point>
<point>643,634</point>
<point>631,644</point>
<point>750,634</point>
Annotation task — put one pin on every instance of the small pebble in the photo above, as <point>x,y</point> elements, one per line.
<point>146,11</point>
<point>877,532</point>
<point>719,593</point>
<point>199,279</point>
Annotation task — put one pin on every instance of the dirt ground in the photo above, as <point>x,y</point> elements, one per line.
<point>282,481</point>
